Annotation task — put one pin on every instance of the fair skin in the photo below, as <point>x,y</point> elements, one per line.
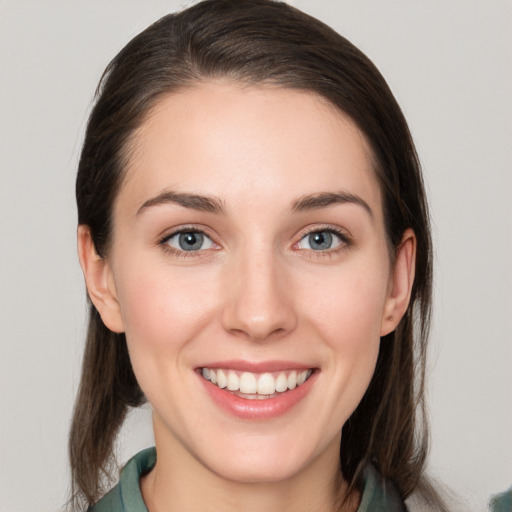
<point>283,268</point>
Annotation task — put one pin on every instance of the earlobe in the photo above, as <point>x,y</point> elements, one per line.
<point>401,282</point>
<point>99,281</point>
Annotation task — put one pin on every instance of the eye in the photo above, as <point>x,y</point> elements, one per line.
<point>322,240</point>
<point>189,241</point>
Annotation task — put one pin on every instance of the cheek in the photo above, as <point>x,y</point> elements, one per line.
<point>163,313</point>
<point>349,304</point>
<point>346,313</point>
<point>162,310</point>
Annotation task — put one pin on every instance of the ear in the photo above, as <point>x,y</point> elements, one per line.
<point>400,283</point>
<point>99,281</point>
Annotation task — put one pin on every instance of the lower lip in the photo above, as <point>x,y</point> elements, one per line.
<point>258,409</point>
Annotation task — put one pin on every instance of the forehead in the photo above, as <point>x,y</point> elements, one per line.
<point>247,143</point>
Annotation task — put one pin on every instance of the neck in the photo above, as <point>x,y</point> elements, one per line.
<point>181,482</point>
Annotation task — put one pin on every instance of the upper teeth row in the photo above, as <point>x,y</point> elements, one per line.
<point>251,383</point>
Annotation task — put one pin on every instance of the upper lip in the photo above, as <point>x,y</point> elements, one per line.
<point>256,366</point>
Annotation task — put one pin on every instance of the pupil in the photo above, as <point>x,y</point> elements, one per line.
<point>320,240</point>
<point>191,241</point>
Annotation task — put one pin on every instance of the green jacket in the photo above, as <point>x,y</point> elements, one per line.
<point>502,502</point>
<point>378,495</point>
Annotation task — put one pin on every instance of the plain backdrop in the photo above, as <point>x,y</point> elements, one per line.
<point>449,64</point>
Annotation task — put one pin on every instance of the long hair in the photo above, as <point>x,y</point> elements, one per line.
<point>256,42</point>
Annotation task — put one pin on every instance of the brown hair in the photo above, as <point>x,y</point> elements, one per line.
<point>256,41</point>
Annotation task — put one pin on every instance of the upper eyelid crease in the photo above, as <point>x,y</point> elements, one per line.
<point>312,229</point>
<point>180,231</point>
<point>346,242</point>
<point>163,242</point>
<point>344,237</point>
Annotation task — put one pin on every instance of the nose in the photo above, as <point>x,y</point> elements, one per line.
<point>258,303</point>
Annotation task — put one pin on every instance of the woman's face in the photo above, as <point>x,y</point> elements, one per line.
<point>249,253</point>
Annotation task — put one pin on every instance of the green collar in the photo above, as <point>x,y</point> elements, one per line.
<point>378,494</point>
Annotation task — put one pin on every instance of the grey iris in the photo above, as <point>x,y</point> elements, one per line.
<point>320,240</point>
<point>191,241</point>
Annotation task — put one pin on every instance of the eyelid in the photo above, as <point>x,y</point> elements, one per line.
<point>344,237</point>
<point>162,241</point>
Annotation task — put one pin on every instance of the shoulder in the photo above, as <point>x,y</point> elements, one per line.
<point>111,502</point>
<point>379,494</point>
<point>126,495</point>
<point>502,502</point>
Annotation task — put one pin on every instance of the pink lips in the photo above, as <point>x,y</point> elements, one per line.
<point>266,366</point>
<point>258,409</point>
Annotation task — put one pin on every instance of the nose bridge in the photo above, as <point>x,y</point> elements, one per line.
<point>257,305</point>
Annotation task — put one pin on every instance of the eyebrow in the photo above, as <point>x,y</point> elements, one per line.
<point>194,201</point>
<point>215,205</point>
<point>326,199</point>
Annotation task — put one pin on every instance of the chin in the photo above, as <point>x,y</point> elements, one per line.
<point>269,461</point>
<point>257,471</point>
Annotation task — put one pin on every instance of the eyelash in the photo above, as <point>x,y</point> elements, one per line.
<point>176,252</point>
<point>345,241</point>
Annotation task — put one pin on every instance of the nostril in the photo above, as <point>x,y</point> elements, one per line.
<point>257,306</point>
<point>259,333</point>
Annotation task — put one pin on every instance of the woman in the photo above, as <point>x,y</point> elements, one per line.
<point>254,236</point>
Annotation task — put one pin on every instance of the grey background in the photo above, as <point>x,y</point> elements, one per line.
<point>450,66</point>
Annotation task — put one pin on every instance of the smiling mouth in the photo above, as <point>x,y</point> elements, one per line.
<point>256,386</point>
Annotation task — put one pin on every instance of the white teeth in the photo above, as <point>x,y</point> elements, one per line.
<point>248,383</point>
<point>292,380</point>
<point>233,383</point>
<point>222,380</point>
<point>281,383</point>
<point>253,385</point>
<point>301,377</point>
<point>266,384</point>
